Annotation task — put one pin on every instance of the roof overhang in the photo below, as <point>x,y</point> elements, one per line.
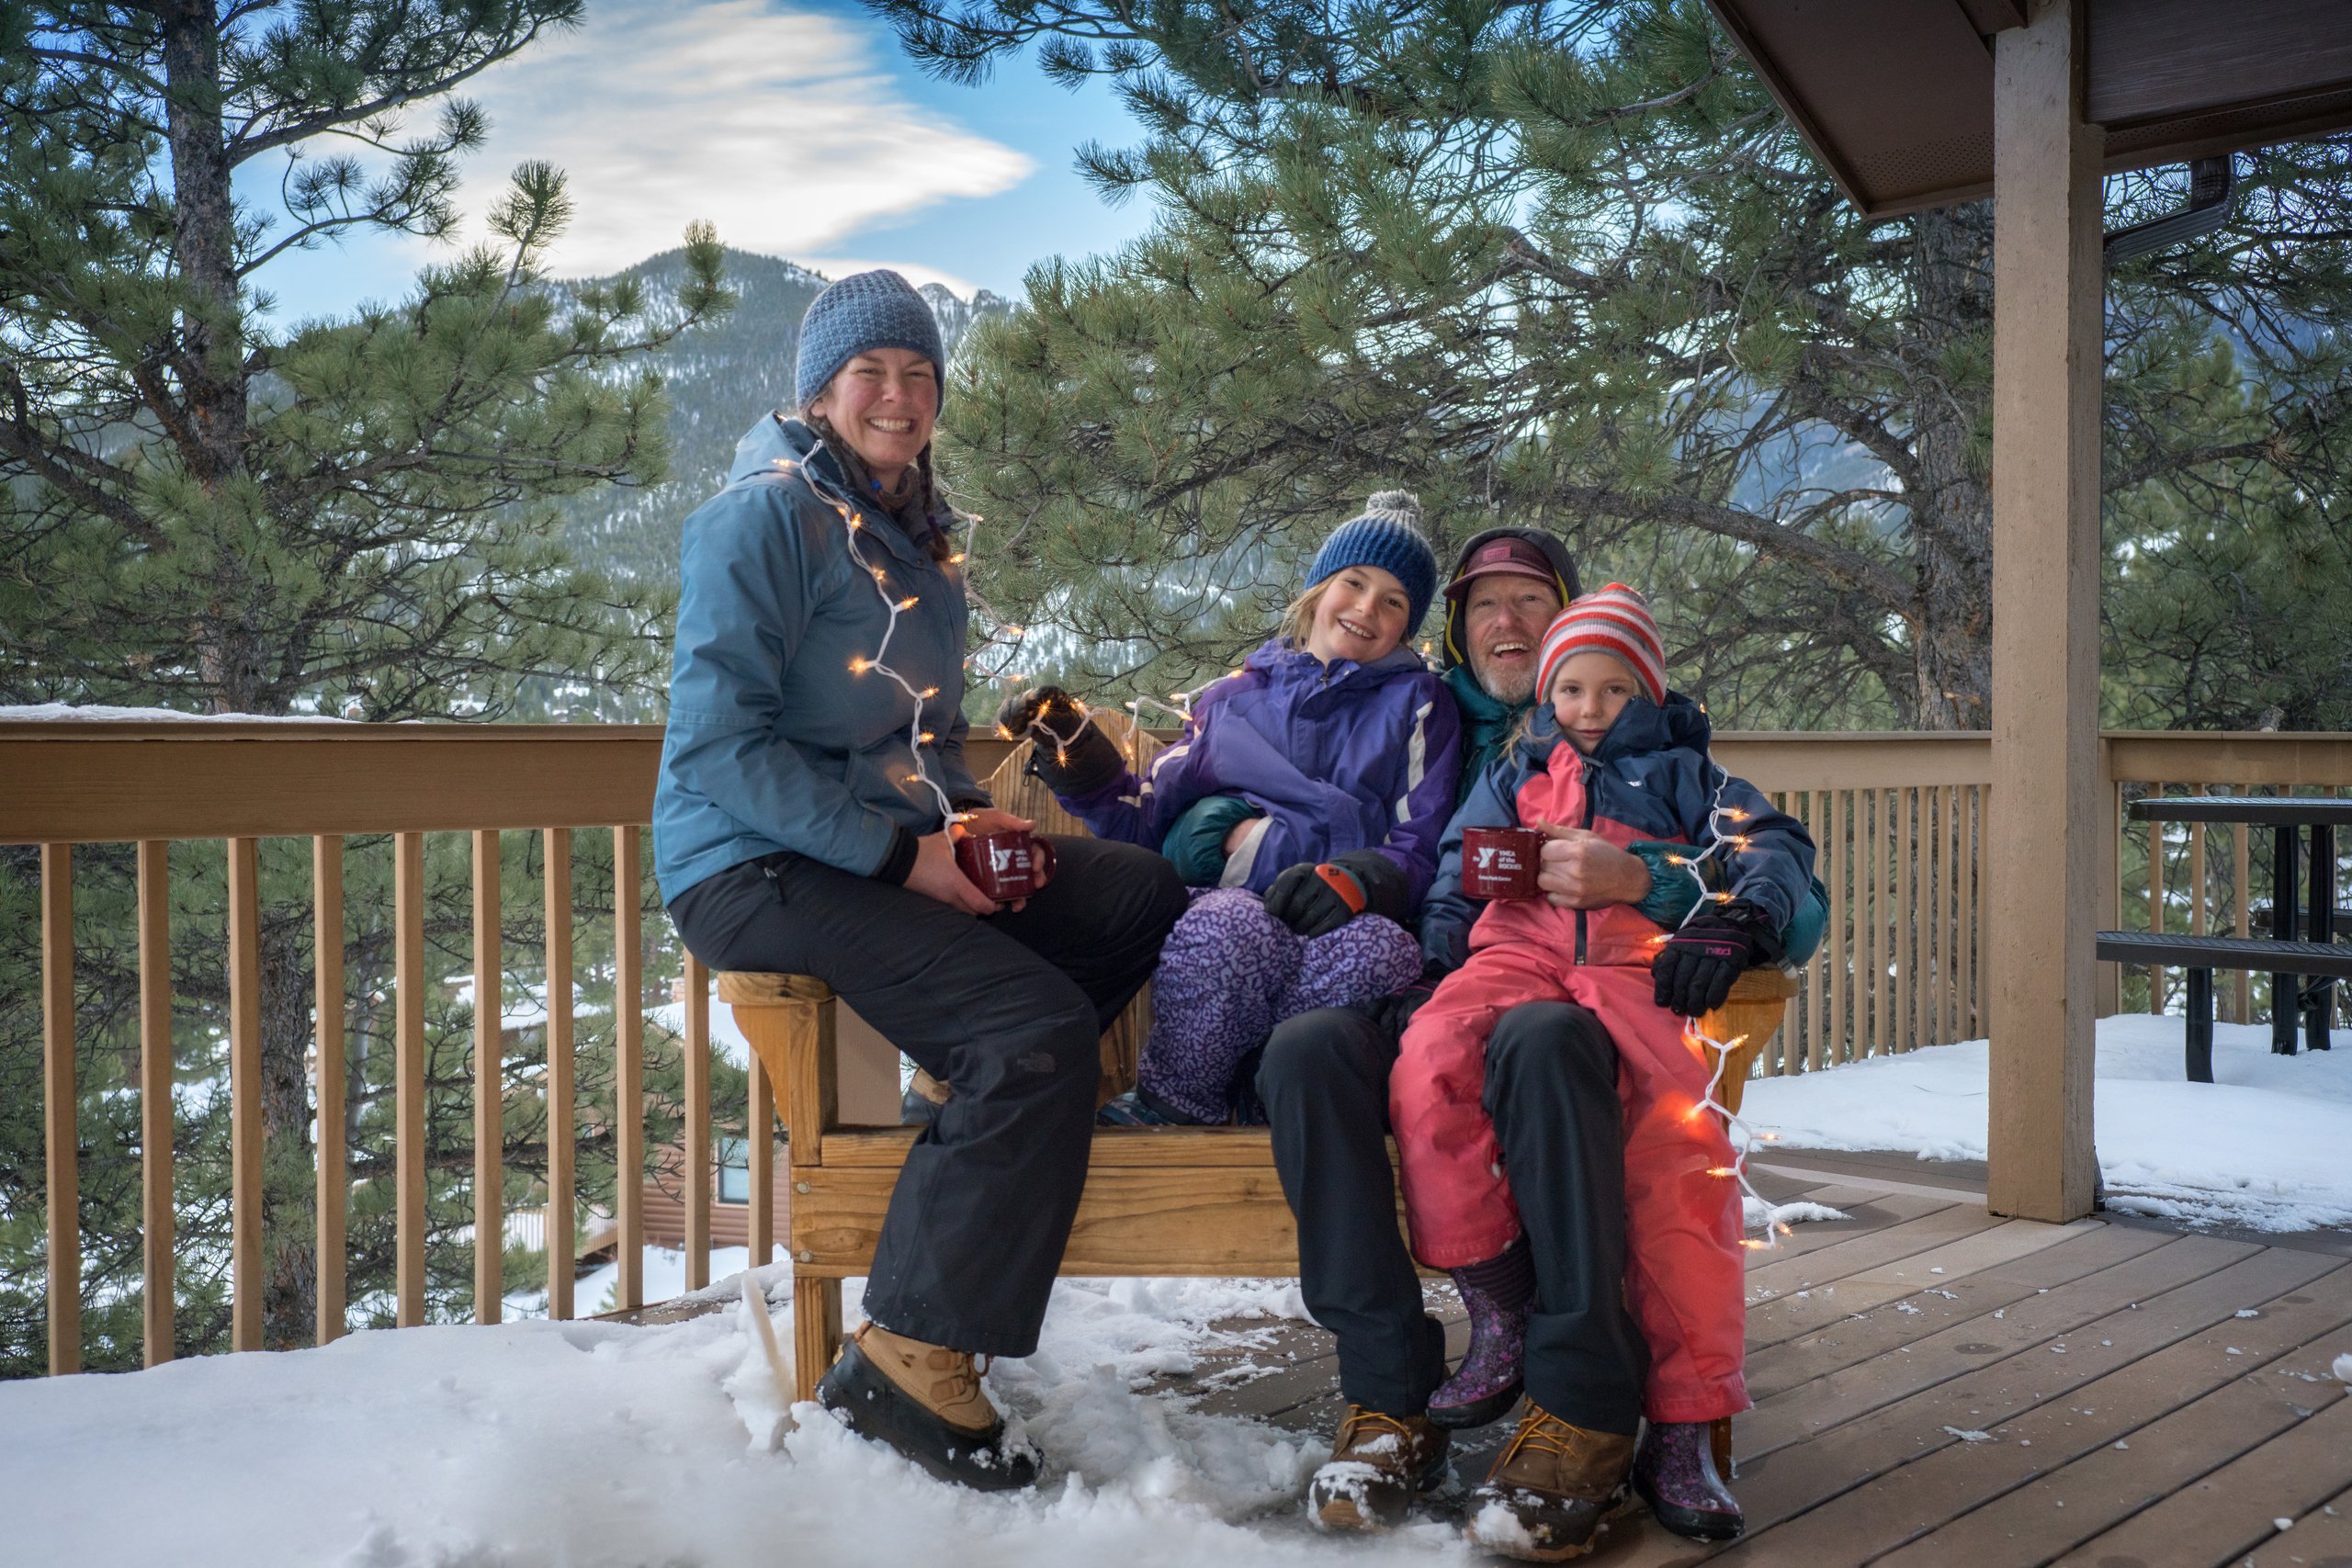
<point>1895,96</point>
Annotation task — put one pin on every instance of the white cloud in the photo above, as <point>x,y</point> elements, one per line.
<point>778,126</point>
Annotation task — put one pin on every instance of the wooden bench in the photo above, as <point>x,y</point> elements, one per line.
<point>1190,1200</point>
<point>2201,955</point>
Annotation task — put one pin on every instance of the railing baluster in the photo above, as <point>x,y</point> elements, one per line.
<point>62,1127</point>
<point>2197,920</point>
<point>2155,903</point>
<point>759,1134</point>
<point>1882,938</point>
<point>1838,945</point>
<point>698,1148</point>
<point>244,1094</point>
<point>1932,958</point>
<point>1808,1049</point>
<point>561,1121</point>
<point>158,1226</point>
<point>335,1155</point>
<point>489,1086</point>
<point>628,1045</point>
<point>407,1072</point>
<point>1905,925</point>
<point>1955,873</point>
<point>2242,895</point>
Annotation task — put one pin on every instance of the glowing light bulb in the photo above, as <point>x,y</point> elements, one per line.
<point>1002,733</point>
<point>928,737</point>
<point>956,560</point>
<point>929,692</point>
<point>860,666</point>
<point>909,603</point>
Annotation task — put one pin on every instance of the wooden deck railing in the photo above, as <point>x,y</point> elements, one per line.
<point>1900,819</point>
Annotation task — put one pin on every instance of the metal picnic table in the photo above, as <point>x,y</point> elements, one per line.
<point>2289,817</point>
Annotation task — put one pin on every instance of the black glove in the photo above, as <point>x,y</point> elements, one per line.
<point>1078,759</point>
<point>1694,971</point>
<point>1302,899</point>
<point>1386,891</point>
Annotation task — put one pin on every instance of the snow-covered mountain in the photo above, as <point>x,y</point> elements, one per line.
<point>719,379</point>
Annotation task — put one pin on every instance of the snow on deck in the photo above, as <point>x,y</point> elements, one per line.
<point>585,1445</point>
<point>2267,1146</point>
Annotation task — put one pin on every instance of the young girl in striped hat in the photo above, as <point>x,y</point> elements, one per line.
<point>1607,749</point>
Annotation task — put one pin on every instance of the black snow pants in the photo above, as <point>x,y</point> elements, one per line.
<point>1008,1010</point>
<point>1552,1090</point>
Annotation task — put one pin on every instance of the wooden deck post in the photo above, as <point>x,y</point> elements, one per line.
<point>2044,890</point>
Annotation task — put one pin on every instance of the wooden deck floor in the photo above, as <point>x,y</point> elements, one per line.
<point>1935,1386</point>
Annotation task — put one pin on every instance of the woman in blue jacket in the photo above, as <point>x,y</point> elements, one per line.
<point>812,783</point>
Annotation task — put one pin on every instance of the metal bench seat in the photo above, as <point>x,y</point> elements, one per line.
<point>2201,955</point>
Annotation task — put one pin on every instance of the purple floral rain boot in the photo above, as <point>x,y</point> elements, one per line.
<point>1675,1471</point>
<point>1485,1385</point>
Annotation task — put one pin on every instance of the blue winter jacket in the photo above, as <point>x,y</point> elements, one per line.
<point>1649,783</point>
<point>774,743</point>
<point>1338,757</point>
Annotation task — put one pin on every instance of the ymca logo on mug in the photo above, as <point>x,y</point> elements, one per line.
<point>1500,862</point>
<point>1007,865</point>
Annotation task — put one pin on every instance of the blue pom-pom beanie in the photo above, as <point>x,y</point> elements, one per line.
<point>1387,535</point>
<point>864,310</point>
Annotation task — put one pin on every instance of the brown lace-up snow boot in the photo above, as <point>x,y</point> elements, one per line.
<point>926,1402</point>
<point>1377,1465</point>
<point>1552,1490</point>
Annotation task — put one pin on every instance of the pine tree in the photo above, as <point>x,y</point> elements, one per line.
<point>202,510</point>
<point>1563,265</point>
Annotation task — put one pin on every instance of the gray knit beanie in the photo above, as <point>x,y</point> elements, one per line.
<point>1388,536</point>
<point>864,310</point>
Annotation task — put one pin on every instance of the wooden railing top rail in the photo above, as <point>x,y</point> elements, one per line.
<point>91,780</point>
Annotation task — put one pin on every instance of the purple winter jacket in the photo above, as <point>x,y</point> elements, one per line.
<point>1340,757</point>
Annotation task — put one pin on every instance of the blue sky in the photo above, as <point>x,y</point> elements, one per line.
<point>800,130</point>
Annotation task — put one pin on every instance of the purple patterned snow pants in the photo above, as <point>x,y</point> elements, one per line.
<point>1231,972</point>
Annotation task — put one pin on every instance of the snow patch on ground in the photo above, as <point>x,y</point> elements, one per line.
<point>2262,1146</point>
<point>594,1445</point>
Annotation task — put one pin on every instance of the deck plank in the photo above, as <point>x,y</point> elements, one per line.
<point>1860,1448</point>
<point>2060,1509</point>
<point>1868,1311</point>
<point>1840,1255</point>
<point>2321,1539</point>
<point>1942,1485</point>
<point>1979,1344</point>
<point>2222,1516</point>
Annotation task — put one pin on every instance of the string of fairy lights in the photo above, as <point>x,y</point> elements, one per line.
<point>918,738</point>
<point>1741,1135</point>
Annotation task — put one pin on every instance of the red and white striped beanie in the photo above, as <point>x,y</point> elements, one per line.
<point>1615,620</point>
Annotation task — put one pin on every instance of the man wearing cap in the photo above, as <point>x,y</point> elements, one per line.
<point>1324,1085</point>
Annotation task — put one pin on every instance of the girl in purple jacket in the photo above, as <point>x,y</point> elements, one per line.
<point>1304,801</point>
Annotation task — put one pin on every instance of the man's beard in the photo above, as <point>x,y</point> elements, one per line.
<point>1509,688</point>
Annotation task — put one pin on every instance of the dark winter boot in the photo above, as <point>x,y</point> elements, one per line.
<point>1378,1466</point>
<point>1552,1490</point>
<point>1677,1476</point>
<point>1485,1385</point>
<point>926,1402</point>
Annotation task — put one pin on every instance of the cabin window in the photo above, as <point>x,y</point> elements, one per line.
<point>734,1170</point>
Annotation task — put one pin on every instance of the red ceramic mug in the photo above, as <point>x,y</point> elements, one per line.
<point>1011,865</point>
<point>1500,862</point>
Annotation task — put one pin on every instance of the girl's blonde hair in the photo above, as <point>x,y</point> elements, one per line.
<point>1298,617</point>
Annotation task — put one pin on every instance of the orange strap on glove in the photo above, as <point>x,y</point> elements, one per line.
<point>1350,891</point>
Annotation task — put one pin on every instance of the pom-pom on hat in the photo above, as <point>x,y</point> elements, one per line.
<point>1388,536</point>
<point>1616,620</point>
<point>864,310</point>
